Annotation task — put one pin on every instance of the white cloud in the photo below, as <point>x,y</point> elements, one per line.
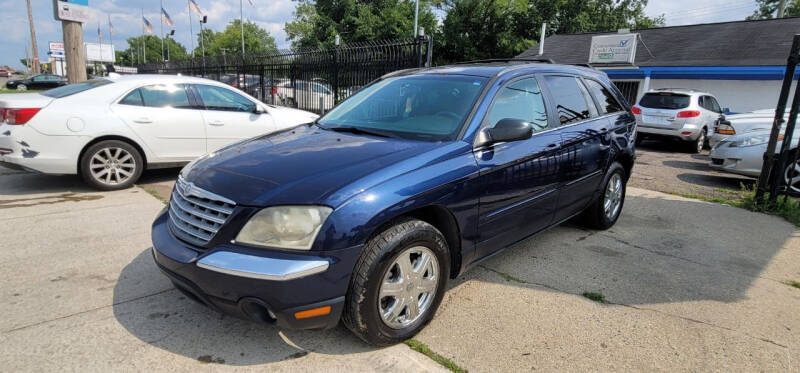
<point>687,12</point>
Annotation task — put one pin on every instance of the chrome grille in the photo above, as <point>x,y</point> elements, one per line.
<point>195,214</point>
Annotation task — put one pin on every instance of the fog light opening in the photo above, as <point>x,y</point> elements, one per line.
<point>256,310</point>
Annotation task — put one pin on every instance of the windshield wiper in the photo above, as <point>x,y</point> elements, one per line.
<point>359,131</point>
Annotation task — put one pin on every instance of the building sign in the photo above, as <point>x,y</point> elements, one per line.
<point>56,49</point>
<point>618,49</point>
<point>71,10</point>
<point>99,52</point>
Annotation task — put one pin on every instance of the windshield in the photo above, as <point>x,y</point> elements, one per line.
<point>664,100</point>
<point>72,89</point>
<point>421,107</point>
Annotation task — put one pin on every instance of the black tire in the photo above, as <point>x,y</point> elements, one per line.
<point>790,171</point>
<point>639,140</point>
<point>361,314</point>
<point>117,180</point>
<point>595,216</point>
<point>698,144</point>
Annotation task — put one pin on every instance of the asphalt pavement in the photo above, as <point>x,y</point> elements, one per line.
<point>685,285</point>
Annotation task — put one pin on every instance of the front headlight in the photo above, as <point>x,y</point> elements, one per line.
<point>750,141</point>
<point>287,227</point>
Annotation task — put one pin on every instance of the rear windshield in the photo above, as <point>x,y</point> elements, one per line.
<point>71,89</point>
<point>664,100</point>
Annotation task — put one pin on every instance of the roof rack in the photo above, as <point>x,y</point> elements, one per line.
<point>539,60</point>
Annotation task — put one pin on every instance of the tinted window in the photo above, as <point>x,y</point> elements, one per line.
<point>133,98</point>
<point>520,100</point>
<point>712,104</point>
<point>39,78</point>
<point>165,96</point>
<point>72,89</point>
<point>216,98</point>
<point>571,99</point>
<point>424,107</point>
<point>608,104</point>
<point>664,100</point>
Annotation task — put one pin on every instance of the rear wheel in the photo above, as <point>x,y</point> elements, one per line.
<point>604,212</point>
<point>398,283</point>
<point>791,178</point>
<point>22,87</point>
<point>111,165</point>
<point>697,145</point>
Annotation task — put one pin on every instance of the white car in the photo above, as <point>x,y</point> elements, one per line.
<point>308,95</point>
<point>737,124</point>
<point>110,130</point>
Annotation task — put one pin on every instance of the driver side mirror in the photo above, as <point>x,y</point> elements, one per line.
<point>257,109</point>
<point>508,129</point>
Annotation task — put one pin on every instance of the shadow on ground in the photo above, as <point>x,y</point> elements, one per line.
<point>660,252</point>
<point>715,181</point>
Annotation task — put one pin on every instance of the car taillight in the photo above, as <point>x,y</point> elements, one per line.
<point>636,110</point>
<point>18,116</point>
<point>688,114</point>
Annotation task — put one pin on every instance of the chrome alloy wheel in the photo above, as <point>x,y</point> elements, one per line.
<point>613,196</point>
<point>791,177</point>
<point>409,287</point>
<point>112,166</point>
<point>701,141</point>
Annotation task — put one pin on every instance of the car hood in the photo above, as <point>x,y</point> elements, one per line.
<point>303,165</point>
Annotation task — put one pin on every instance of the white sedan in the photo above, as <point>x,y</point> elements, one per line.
<point>110,130</point>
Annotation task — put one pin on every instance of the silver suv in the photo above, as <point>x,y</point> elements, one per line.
<point>677,113</point>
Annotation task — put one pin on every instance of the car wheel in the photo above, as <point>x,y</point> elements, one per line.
<point>639,140</point>
<point>697,145</point>
<point>791,178</point>
<point>604,212</point>
<point>111,165</point>
<point>398,283</point>
<point>22,87</point>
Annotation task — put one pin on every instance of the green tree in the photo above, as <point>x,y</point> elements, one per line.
<point>769,9</point>
<point>317,22</point>
<point>257,40</point>
<point>150,49</point>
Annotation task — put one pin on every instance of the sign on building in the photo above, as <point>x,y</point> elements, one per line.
<point>71,10</point>
<point>613,49</point>
<point>99,52</point>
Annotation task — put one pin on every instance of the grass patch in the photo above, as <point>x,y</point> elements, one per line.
<point>153,193</point>
<point>6,90</point>
<point>504,275</point>
<point>785,207</point>
<point>441,360</point>
<point>597,297</point>
<point>794,284</point>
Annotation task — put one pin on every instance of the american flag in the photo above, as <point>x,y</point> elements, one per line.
<point>110,26</point>
<point>99,34</point>
<point>195,8</point>
<point>148,27</point>
<point>251,2</point>
<point>165,18</point>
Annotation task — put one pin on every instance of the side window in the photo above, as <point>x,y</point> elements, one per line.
<point>702,102</point>
<point>133,98</point>
<point>165,96</point>
<point>571,99</point>
<point>217,98</point>
<point>608,103</point>
<point>39,78</point>
<point>521,99</point>
<point>714,105</point>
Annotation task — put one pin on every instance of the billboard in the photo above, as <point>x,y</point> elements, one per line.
<point>613,49</point>
<point>99,52</point>
<point>71,10</point>
<point>56,49</point>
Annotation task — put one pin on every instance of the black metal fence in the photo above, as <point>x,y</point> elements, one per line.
<point>313,80</point>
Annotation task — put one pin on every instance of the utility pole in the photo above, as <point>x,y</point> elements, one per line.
<point>781,7</point>
<point>75,51</point>
<point>35,48</point>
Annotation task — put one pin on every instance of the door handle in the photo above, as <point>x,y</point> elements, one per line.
<point>217,123</point>
<point>143,120</point>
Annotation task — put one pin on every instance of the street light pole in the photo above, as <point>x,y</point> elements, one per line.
<point>241,23</point>
<point>416,17</point>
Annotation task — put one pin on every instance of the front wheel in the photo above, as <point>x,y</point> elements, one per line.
<point>398,283</point>
<point>791,178</point>
<point>111,165</point>
<point>22,87</point>
<point>604,212</point>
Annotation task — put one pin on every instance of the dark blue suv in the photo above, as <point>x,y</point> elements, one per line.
<point>366,213</point>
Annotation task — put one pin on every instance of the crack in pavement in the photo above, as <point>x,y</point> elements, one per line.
<point>86,311</point>
<point>668,314</point>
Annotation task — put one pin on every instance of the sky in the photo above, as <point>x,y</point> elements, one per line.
<point>269,14</point>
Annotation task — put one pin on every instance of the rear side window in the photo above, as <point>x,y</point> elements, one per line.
<point>608,103</point>
<point>133,98</point>
<point>166,96</point>
<point>664,100</point>
<point>71,89</point>
<point>572,101</point>
<point>521,99</point>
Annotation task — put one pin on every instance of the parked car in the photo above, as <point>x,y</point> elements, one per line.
<point>4,73</point>
<point>728,125</point>
<point>677,113</point>
<point>43,81</point>
<point>110,130</point>
<point>307,95</point>
<point>366,213</point>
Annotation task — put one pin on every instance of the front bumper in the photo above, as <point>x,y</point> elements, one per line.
<point>244,282</point>
<point>745,160</point>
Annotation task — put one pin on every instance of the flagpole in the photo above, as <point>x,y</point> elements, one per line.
<point>161,18</point>
<point>111,39</point>
<point>99,42</point>
<point>241,23</point>
<point>191,33</point>
<point>144,48</point>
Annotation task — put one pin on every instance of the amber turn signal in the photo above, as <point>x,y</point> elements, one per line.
<point>319,311</point>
